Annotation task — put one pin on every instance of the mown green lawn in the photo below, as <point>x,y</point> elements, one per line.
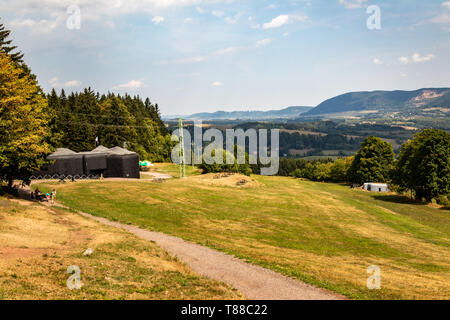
<point>324,234</point>
<point>174,170</point>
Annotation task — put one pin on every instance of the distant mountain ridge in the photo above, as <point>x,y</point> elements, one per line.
<point>426,102</point>
<point>286,113</point>
<point>385,102</point>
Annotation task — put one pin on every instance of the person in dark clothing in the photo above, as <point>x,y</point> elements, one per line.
<point>37,194</point>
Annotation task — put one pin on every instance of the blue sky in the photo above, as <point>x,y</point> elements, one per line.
<point>206,55</point>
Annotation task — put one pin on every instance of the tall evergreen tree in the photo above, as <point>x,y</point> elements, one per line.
<point>119,125</point>
<point>84,110</point>
<point>53,107</point>
<point>156,116</point>
<point>6,47</point>
<point>15,56</point>
<point>63,119</point>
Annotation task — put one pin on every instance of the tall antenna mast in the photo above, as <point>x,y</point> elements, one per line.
<point>182,153</point>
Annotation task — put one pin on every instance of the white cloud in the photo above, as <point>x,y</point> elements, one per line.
<point>72,83</point>
<point>158,19</point>
<point>107,6</point>
<point>187,60</point>
<point>230,20</point>
<point>55,11</point>
<point>233,20</point>
<point>201,10</point>
<point>253,25</point>
<point>352,4</point>
<point>216,84</point>
<point>263,42</point>
<point>133,84</point>
<point>416,58</point>
<point>36,26</point>
<point>188,20</point>
<point>228,50</point>
<point>442,18</point>
<point>277,22</point>
<point>282,20</point>
<point>54,82</point>
<point>377,61</point>
<point>218,13</point>
<point>403,60</point>
<point>272,6</point>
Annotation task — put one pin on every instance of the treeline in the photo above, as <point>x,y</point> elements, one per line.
<point>422,167</point>
<point>336,134</point>
<point>317,170</point>
<point>342,127</point>
<point>82,118</point>
<point>318,143</point>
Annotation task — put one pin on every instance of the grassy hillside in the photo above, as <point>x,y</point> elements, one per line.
<point>174,170</point>
<point>325,234</point>
<point>38,244</point>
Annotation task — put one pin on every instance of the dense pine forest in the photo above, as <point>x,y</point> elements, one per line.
<point>82,119</point>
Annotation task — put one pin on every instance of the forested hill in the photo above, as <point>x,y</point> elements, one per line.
<point>286,113</point>
<point>79,118</point>
<point>407,102</point>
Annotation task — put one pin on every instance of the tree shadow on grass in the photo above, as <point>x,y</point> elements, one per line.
<point>395,198</point>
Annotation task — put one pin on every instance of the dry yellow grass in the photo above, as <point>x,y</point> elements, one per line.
<point>38,244</point>
<point>226,180</point>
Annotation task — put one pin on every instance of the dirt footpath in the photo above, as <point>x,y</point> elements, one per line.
<point>255,282</point>
<point>157,175</point>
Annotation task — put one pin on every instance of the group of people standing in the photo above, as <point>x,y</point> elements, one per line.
<point>39,196</point>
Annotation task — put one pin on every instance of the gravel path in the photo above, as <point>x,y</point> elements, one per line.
<point>157,175</point>
<point>255,282</point>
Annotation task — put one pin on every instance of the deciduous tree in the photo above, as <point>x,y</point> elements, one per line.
<point>423,165</point>
<point>23,123</point>
<point>373,162</point>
